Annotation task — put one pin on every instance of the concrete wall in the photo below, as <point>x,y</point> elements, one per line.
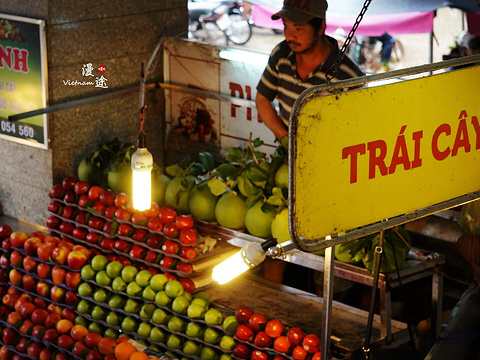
<point>120,35</point>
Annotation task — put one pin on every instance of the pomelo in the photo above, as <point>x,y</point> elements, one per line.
<point>230,211</point>
<point>177,192</point>
<point>202,203</point>
<point>159,185</point>
<point>280,226</point>
<point>281,176</point>
<point>259,222</point>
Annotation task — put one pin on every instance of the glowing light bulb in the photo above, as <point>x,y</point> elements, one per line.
<point>142,165</point>
<point>250,256</point>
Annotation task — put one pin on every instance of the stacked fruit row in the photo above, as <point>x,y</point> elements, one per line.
<point>153,308</point>
<point>262,339</point>
<point>159,236</point>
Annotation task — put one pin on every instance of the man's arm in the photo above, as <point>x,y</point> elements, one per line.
<point>269,116</point>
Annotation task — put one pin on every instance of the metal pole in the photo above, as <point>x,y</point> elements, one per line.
<point>327,301</point>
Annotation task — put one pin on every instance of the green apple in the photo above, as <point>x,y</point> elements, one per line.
<point>194,330</point>
<point>158,281</point>
<point>113,318</point>
<point>155,348</point>
<point>87,272</point>
<point>227,343</point>
<point>114,269</point>
<point>174,341</point>
<point>202,302</point>
<point>148,293</point>
<point>162,299</point>
<point>195,311</point>
<point>188,295</point>
<point>144,329</point>
<point>143,278</point>
<point>132,306</point>
<point>191,347</point>
<point>99,262</point>
<point>116,301</point>
<point>180,304</point>
<point>203,295</point>
<point>226,357</point>
<point>101,295</point>
<point>230,324</point>
<point>129,324</point>
<point>133,289</point>
<point>208,353</point>
<point>128,273</point>
<point>80,320</point>
<point>84,306</point>
<point>103,279</point>
<point>95,327</point>
<point>176,324</point>
<point>213,317</point>
<point>211,335</point>
<point>111,333</point>
<point>158,335</point>
<point>98,312</point>
<point>85,289</point>
<point>118,284</point>
<point>174,288</point>
<point>160,316</point>
<point>147,310</point>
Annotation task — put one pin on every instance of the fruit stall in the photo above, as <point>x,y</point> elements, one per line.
<point>102,280</point>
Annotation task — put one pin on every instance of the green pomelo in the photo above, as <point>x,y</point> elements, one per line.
<point>93,173</point>
<point>258,222</point>
<point>202,203</point>
<point>159,186</point>
<point>120,178</point>
<point>281,176</point>
<point>280,226</point>
<point>177,192</point>
<point>230,211</point>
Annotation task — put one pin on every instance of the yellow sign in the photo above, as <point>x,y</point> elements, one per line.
<point>374,153</point>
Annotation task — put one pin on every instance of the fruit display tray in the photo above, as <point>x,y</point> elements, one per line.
<point>32,338</point>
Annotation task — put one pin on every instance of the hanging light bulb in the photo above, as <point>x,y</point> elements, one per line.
<point>142,165</point>
<point>251,255</point>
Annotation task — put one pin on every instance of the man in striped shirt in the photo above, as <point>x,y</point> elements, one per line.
<point>299,62</point>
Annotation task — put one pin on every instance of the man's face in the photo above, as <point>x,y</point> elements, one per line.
<point>300,37</point>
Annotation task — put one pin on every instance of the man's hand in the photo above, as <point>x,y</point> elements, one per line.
<point>270,117</point>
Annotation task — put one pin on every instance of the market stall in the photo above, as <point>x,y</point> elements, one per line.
<point>117,283</point>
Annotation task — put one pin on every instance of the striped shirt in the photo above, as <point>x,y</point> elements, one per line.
<point>280,78</point>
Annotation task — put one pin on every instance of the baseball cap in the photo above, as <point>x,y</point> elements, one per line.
<point>302,11</point>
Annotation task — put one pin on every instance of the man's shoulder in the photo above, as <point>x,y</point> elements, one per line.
<point>282,50</point>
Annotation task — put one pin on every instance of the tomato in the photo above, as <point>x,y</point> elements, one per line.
<point>184,222</point>
<point>281,344</point>
<point>274,328</point>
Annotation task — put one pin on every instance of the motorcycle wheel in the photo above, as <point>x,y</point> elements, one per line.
<point>240,30</point>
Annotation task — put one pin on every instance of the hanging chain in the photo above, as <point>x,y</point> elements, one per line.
<point>336,65</point>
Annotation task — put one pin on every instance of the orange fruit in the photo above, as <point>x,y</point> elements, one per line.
<point>139,355</point>
<point>124,350</point>
<point>64,326</point>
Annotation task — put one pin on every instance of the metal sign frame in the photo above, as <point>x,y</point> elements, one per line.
<point>313,245</point>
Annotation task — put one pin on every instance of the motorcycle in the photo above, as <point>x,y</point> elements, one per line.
<point>367,52</point>
<point>219,22</point>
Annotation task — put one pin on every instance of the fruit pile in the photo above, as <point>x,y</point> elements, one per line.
<point>262,339</point>
<point>153,308</point>
<point>159,238</point>
<point>247,192</point>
